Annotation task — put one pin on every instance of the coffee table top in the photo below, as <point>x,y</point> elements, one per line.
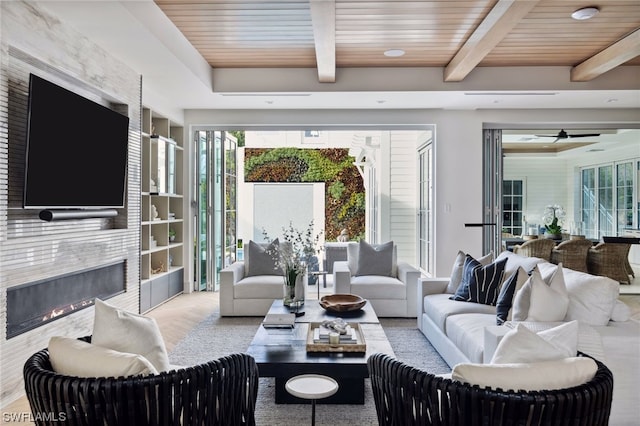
<point>283,352</point>
<point>313,312</point>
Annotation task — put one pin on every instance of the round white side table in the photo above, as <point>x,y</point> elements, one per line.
<point>313,387</point>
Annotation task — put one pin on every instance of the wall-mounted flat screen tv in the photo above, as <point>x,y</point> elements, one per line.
<point>76,156</point>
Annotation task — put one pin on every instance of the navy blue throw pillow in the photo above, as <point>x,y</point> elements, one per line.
<point>480,284</point>
<point>505,298</point>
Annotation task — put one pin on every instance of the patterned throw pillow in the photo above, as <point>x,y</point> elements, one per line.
<point>480,284</point>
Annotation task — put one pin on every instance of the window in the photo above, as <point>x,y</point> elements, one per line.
<point>512,206</point>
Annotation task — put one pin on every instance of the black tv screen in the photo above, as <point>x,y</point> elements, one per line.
<point>76,155</point>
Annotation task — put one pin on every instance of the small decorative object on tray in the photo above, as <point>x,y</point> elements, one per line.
<point>342,302</point>
<point>323,338</point>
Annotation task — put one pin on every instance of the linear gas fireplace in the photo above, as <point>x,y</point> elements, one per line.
<point>37,303</point>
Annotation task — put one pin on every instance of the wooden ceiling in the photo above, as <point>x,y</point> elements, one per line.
<point>456,35</point>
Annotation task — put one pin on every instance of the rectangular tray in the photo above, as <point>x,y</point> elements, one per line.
<point>360,346</point>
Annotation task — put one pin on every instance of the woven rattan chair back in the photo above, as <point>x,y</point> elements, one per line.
<point>219,392</point>
<point>540,247</point>
<point>609,260</point>
<point>405,395</point>
<point>572,254</point>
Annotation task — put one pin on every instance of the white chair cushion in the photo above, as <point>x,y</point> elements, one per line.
<point>73,357</point>
<point>534,376</point>
<point>123,331</point>
<point>378,287</point>
<point>259,287</point>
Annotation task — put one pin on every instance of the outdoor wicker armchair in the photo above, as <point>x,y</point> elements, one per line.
<point>540,247</point>
<point>218,392</point>
<point>405,395</point>
<point>572,254</point>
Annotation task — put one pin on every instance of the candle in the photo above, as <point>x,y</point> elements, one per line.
<point>334,338</point>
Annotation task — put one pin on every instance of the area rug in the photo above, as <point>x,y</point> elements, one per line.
<point>215,337</point>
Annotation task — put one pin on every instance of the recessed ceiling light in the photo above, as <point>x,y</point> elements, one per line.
<point>394,53</point>
<point>585,13</point>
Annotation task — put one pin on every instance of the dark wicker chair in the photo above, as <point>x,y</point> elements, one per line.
<point>572,254</point>
<point>405,395</point>
<point>540,247</point>
<point>219,392</point>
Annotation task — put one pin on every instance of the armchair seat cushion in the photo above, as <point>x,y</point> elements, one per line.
<point>378,287</point>
<point>438,307</point>
<point>259,287</point>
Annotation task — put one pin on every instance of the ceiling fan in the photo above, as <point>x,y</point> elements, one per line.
<point>564,135</point>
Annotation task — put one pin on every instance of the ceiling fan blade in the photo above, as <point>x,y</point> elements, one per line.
<point>585,135</point>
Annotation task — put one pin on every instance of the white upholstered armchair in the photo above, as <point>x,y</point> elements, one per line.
<point>373,273</point>
<point>249,288</point>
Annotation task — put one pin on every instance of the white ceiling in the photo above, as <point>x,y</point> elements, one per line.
<point>175,75</point>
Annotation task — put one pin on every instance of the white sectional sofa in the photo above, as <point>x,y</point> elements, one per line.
<point>464,332</point>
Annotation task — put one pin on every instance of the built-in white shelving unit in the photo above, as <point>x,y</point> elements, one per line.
<point>162,252</point>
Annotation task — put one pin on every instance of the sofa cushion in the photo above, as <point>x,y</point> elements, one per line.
<point>73,357</point>
<point>466,331</point>
<point>591,298</point>
<point>504,304</point>
<point>259,287</point>
<point>262,259</point>
<point>378,287</point>
<point>480,283</point>
<point>458,265</point>
<point>375,260</point>
<point>523,345</point>
<point>122,331</point>
<point>438,307</point>
<point>534,376</point>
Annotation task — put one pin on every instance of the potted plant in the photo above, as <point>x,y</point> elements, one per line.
<point>172,234</point>
<point>552,225</point>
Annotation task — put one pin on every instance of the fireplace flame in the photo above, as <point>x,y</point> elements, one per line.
<point>56,312</point>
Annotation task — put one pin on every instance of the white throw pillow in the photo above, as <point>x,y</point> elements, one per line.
<point>73,357</point>
<point>522,301</point>
<point>549,300</point>
<point>523,345</point>
<point>591,298</point>
<point>458,267</point>
<point>534,376</point>
<point>621,312</point>
<point>123,331</point>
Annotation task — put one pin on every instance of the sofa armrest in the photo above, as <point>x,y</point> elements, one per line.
<point>229,276</point>
<point>428,286</point>
<point>341,278</point>
<point>409,275</point>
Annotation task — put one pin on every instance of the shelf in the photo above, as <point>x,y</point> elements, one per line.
<point>161,266</point>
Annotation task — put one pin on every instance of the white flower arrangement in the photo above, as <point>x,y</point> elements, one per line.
<point>553,217</point>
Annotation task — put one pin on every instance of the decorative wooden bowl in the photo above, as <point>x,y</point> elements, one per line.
<point>342,302</point>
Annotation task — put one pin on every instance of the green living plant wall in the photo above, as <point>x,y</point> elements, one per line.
<point>344,189</point>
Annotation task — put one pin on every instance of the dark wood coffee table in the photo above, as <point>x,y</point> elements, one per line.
<point>282,354</point>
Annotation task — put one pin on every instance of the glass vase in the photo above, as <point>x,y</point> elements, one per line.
<point>294,289</point>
